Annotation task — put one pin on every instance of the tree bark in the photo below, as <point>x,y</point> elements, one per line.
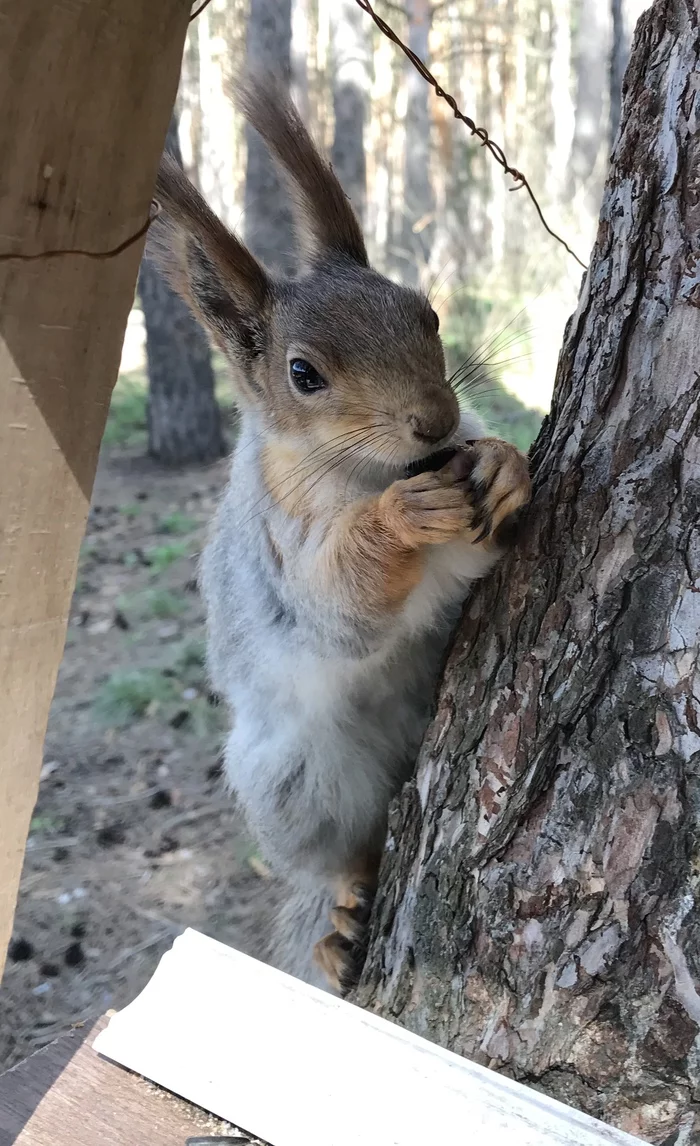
<point>538,907</point>
<point>351,80</point>
<point>268,218</point>
<point>184,419</point>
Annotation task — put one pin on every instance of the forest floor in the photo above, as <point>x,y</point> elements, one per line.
<point>134,837</point>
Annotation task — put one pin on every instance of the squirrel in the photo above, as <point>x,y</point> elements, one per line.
<point>362,504</point>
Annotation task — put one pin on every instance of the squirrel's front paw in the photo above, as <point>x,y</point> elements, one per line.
<point>341,955</point>
<point>496,480</point>
<point>428,509</point>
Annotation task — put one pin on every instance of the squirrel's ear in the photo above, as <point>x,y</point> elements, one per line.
<point>224,286</point>
<point>325,222</point>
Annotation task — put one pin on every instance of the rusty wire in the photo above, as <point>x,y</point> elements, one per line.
<point>198,11</point>
<point>480,132</point>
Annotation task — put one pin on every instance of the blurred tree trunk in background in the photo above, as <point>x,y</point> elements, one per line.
<point>591,87</point>
<point>184,419</point>
<point>350,32</point>
<point>268,219</point>
<point>385,148</point>
<point>538,906</point>
<point>216,171</point>
<point>302,54</point>
<point>418,215</point>
<point>210,131</point>
<point>618,60</point>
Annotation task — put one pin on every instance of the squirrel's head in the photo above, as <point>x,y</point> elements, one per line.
<point>338,358</point>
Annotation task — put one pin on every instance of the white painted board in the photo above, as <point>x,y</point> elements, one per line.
<point>297,1067</point>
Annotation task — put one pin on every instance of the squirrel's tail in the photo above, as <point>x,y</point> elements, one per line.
<point>302,918</point>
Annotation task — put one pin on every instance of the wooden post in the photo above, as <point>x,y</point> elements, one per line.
<point>86,88</point>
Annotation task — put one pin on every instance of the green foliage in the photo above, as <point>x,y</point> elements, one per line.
<point>126,421</point>
<point>506,417</point>
<point>88,549</point>
<point>45,823</point>
<point>205,720</point>
<point>176,523</point>
<point>482,358</point>
<point>129,695</point>
<point>131,511</point>
<point>191,655</point>
<point>157,602</point>
<point>161,557</point>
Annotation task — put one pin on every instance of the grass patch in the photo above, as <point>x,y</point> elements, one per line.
<point>205,720</point>
<point>176,524</point>
<point>128,696</point>
<point>131,511</point>
<point>126,421</point>
<point>161,557</point>
<point>159,603</point>
<point>191,655</point>
<point>46,823</point>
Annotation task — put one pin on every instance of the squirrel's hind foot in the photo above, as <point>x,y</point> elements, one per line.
<point>341,954</point>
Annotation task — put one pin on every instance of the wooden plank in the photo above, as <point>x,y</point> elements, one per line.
<point>86,90</point>
<point>65,1095</point>
<point>298,1067</point>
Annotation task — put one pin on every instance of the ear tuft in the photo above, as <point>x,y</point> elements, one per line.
<point>204,262</point>
<point>326,223</point>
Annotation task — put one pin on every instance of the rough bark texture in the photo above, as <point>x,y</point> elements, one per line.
<point>538,901</point>
<point>351,83</point>
<point>268,218</point>
<point>184,419</point>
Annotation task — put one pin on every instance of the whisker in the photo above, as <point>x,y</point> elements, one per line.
<point>327,465</point>
<point>319,453</point>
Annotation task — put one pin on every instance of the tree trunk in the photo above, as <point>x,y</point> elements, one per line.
<point>268,218</point>
<point>418,224</point>
<point>537,907</point>
<point>618,59</point>
<point>184,419</point>
<point>351,80</point>
<point>592,59</point>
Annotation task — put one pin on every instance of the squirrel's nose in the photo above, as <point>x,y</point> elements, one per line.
<point>431,429</point>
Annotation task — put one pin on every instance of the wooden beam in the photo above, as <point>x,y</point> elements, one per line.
<point>86,90</point>
<point>65,1095</point>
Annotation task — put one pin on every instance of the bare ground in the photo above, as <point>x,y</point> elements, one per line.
<point>133,837</point>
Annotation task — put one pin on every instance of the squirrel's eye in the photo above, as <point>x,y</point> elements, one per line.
<point>305,377</point>
<point>436,320</point>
